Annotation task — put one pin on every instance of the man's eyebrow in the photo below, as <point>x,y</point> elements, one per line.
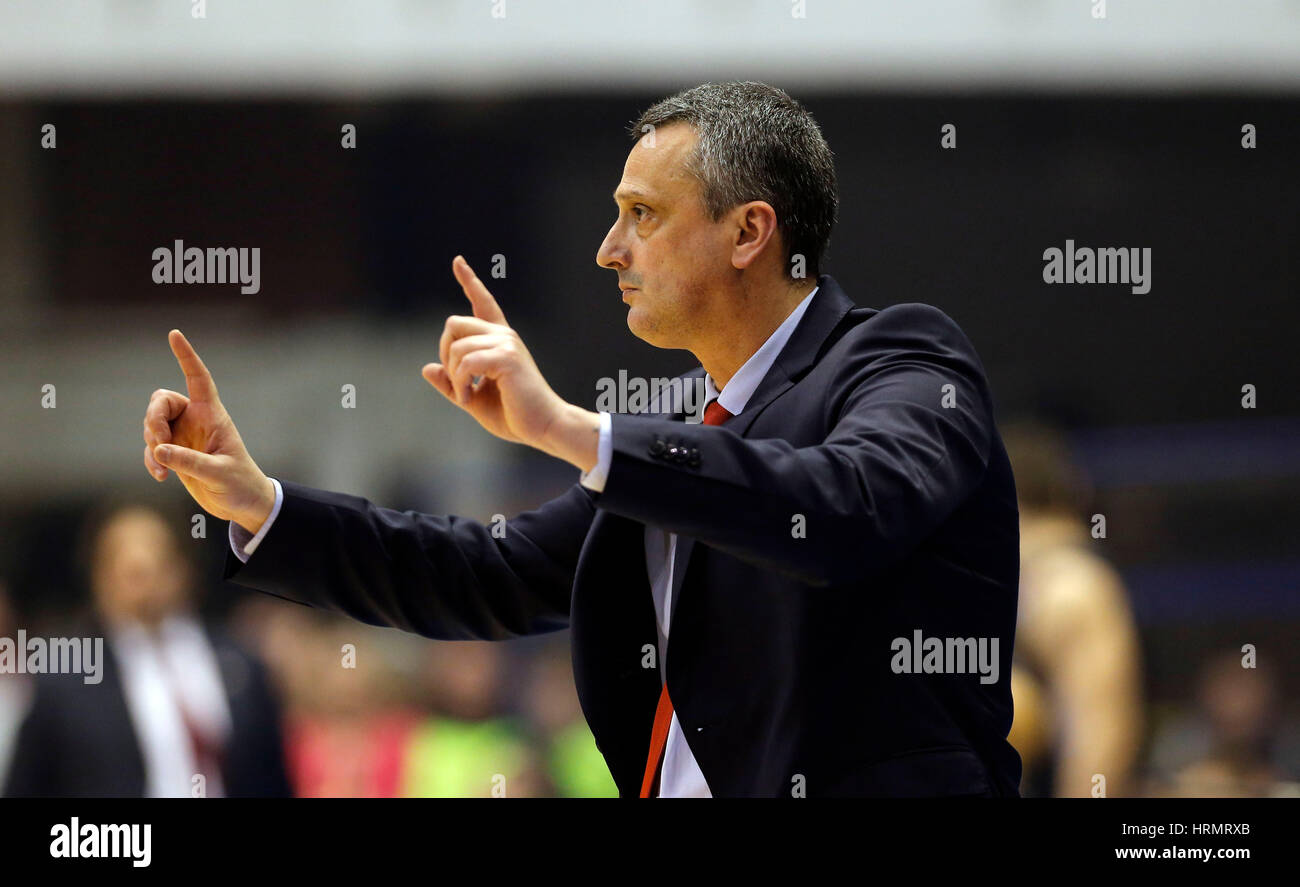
<point>628,194</point>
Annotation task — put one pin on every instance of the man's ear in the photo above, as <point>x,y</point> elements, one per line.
<point>755,230</point>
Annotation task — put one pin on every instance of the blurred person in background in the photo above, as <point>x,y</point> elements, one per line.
<point>1076,671</point>
<point>15,689</point>
<point>467,747</point>
<point>1233,738</point>
<point>348,724</point>
<point>574,765</point>
<point>427,720</point>
<point>177,700</point>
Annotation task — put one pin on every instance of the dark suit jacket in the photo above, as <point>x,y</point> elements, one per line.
<point>78,739</point>
<point>780,666</point>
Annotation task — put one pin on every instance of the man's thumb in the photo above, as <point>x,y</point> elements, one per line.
<point>187,461</point>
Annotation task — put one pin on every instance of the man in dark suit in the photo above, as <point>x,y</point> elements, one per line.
<point>830,551</point>
<point>173,709</point>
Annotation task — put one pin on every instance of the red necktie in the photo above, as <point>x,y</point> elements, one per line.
<point>714,414</point>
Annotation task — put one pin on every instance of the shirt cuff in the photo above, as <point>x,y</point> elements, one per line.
<point>244,543</point>
<point>595,478</point>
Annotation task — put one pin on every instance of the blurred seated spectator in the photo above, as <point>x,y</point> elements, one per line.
<point>1229,748</point>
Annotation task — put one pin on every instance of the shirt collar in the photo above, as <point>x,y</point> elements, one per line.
<point>745,382</point>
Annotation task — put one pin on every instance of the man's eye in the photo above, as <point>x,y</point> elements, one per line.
<point>637,210</point>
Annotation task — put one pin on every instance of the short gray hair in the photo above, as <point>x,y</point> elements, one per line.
<point>754,142</point>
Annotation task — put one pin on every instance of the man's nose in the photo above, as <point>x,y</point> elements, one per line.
<point>611,253</point>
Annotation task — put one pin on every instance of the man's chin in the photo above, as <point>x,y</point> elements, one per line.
<point>642,327</point>
<point>636,322</point>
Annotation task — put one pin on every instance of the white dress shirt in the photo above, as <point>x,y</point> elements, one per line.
<point>680,776</point>
<point>157,669</point>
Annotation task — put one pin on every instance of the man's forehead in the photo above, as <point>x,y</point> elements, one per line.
<point>657,169</point>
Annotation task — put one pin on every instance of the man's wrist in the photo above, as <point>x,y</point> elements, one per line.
<point>253,520</point>
<point>574,436</point>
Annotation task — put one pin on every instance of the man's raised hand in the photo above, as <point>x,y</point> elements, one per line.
<point>194,437</point>
<point>510,399</point>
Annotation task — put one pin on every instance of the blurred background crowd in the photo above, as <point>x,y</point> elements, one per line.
<point>1161,655</point>
<point>269,698</point>
<point>265,697</point>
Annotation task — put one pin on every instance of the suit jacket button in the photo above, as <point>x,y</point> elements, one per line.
<point>657,447</point>
<point>694,460</point>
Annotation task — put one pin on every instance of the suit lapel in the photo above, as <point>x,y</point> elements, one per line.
<point>800,353</point>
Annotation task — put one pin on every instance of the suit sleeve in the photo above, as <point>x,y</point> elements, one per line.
<point>443,577</point>
<point>903,451</point>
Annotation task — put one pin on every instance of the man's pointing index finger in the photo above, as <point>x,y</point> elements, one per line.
<point>485,306</point>
<point>198,381</point>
